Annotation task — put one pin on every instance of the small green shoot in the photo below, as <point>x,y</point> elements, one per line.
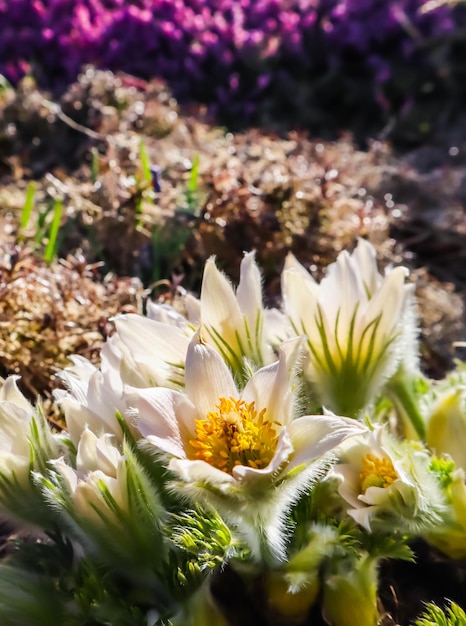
<point>193,185</point>
<point>145,163</point>
<point>51,248</point>
<point>94,165</point>
<point>28,205</point>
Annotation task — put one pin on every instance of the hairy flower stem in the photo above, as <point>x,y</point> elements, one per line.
<point>400,390</point>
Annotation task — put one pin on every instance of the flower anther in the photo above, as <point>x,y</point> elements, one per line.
<point>235,434</point>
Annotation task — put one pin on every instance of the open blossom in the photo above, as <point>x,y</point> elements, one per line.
<point>387,484</point>
<point>237,324</point>
<point>357,323</point>
<point>216,434</point>
<point>91,399</point>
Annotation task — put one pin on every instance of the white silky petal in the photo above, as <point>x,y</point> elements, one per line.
<point>270,387</point>
<point>300,301</point>
<point>104,400</point>
<point>315,435</point>
<point>277,328</point>
<point>366,259</point>
<point>292,263</point>
<point>86,458</point>
<point>388,301</point>
<point>152,343</point>
<point>165,314</point>
<point>249,291</point>
<point>207,378</point>
<point>14,429</point>
<point>193,309</point>
<point>199,471</point>
<point>9,392</point>
<point>66,472</point>
<point>220,310</point>
<point>349,486</point>
<point>363,515</point>
<point>77,416</point>
<point>340,292</point>
<point>282,453</point>
<point>165,418</point>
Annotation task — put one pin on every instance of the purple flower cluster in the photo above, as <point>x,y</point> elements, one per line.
<point>231,54</point>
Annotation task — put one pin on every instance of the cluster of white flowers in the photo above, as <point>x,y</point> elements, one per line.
<point>285,424</point>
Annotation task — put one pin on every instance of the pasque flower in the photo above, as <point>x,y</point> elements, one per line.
<point>236,444</point>
<point>217,434</point>
<point>237,324</point>
<point>356,325</point>
<point>388,484</point>
<point>108,501</point>
<point>26,444</point>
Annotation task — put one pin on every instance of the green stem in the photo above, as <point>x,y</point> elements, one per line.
<point>400,390</point>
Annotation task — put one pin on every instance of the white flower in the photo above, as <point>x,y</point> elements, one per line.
<point>16,415</point>
<point>356,322</point>
<point>109,501</point>
<point>149,352</point>
<point>238,325</point>
<point>91,399</point>
<point>387,483</point>
<point>26,444</point>
<point>219,435</point>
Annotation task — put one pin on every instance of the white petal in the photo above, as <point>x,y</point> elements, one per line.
<point>388,302</point>
<point>270,387</point>
<point>193,309</point>
<point>199,471</point>
<point>366,258</point>
<point>277,328</point>
<point>300,301</point>
<point>165,314</point>
<point>9,392</point>
<point>66,472</point>
<point>340,292</point>
<point>207,378</point>
<point>77,416</point>
<point>315,435</point>
<point>349,486</point>
<point>220,312</point>
<point>292,263</point>
<point>165,418</point>
<point>249,291</point>
<point>154,344</point>
<point>86,458</point>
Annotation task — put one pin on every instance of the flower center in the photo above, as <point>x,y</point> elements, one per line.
<point>235,434</point>
<point>377,472</point>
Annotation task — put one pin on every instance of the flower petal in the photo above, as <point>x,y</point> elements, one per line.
<point>165,418</point>
<point>366,259</point>
<point>270,387</point>
<point>249,291</point>
<point>160,347</point>
<point>220,312</point>
<point>199,471</point>
<point>315,435</point>
<point>207,378</point>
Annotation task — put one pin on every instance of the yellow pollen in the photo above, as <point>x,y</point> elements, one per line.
<point>377,472</point>
<point>235,434</point>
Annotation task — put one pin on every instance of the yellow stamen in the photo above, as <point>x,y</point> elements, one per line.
<point>377,472</point>
<point>235,434</point>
